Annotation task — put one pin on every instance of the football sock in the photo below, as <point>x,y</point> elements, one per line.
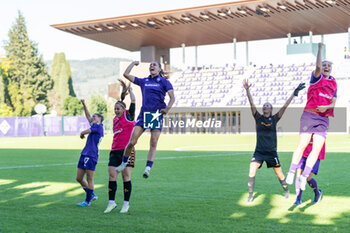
<point>251,183</point>
<point>292,168</point>
<point>125,159</point>
<point>284,184</point>
<point>298,191</point>
<point>127,190</point>
<point>112,188</point>
<point>85,189</point>
<point>149,163</point>
<point>313,185</point>
<point>307,171</point>
<point>89,193</point>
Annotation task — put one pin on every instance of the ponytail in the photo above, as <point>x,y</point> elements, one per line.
<point>125,92</point>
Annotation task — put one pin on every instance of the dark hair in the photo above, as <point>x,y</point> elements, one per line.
<point>100,116</point>
<point>125,92</point>
<point>161,72</point>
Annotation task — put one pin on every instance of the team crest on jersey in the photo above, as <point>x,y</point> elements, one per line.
<point>147,79</point>
<point>158,79</point>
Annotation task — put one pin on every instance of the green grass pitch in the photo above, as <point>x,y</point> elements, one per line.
<point>198,184</point>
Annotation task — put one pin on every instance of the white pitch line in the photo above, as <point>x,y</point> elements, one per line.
<point>160,158</point>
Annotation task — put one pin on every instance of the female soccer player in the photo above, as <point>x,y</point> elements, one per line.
<point>123,124</point>
<point>266,143</point>
<point>89,155</point>
<point>154,88</point>
<point>321,98</point>
<point>311,181</point>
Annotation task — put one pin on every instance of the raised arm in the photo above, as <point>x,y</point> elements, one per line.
<point>318,69</point>
<point>300,87</point>
<point>132,95</point>
<point>127,74</point>
<point>87,114</point>
<point>246,86</point>
<point>171,102</point>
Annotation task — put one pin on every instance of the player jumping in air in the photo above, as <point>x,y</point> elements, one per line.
<point>123,124</point>
<point>154,88</point>
<point>266,143</point>
<point>310,180</point>
<point>321,98</point>
<point>89,155</point>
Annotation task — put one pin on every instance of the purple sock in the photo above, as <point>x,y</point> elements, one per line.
<point>313,185</point>
<point>89,193</point>
<point>307,171</point>
<point>149,163</point>
<point>298,191</point>
<point>125,159</point>
<point>292,168</point>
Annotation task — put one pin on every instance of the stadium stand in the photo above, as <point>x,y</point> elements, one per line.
<point>215,87</point>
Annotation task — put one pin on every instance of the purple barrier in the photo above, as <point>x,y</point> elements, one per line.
<point>74,125</point>
<point>53,125</point>
<point>34,126</point>
<point>21,126</point>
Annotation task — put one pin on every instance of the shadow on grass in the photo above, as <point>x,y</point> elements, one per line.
<point>197,191</point>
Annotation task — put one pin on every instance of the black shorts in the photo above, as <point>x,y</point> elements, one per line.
<point>270,158</point>
<point>116,158</point>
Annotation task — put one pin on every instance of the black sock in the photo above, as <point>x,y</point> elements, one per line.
<point>284,184</point>
<point>251,183</point>
<point>127,190</point>
<point>112,189</point>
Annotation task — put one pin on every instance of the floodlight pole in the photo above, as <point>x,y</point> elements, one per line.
<point>234,48</point>
<point>289,38</point>
<point>183,55</point>
<point>196,56</point>
<point>247,53</point>
<point>349,39</point>
<point>310,35</point>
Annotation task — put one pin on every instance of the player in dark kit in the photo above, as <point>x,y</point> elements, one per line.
<point>89,155</point>
<point>266,143</point>
<point>154,88</point>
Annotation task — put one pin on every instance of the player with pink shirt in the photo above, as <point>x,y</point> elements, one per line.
<point>123,125</point>
<point>314,122</point>
<point>310,180</point>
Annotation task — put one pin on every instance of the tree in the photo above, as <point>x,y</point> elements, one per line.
<point>97,104</point>
<point>29,81</point>
<point>5,102</point>
<point>63,84</point>
<point>72,106</point>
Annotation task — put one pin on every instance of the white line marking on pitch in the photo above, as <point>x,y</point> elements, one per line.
<point>105,161</point>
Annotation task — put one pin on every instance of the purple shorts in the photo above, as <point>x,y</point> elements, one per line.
<point>87,163</point>
<point>140,122</point>
<point>302,164</point>
<point>314,124</point>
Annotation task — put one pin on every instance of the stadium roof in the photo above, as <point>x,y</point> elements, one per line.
<point>219,23</point>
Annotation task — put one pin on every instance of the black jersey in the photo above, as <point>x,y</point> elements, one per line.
<point>266,133</point>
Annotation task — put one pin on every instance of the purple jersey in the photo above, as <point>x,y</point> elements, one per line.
<point>93,140</point>
<point>153,92</point>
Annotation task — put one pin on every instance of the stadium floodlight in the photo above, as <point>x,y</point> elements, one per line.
<point>121,25</point>
<point>98,28</point>
<point>186,17</point>
<point>204,15</point>
<point>222,13</point>
<point>242,10</point>
<point>134,24</point>
<point>264,9</point>
<point>168,20</point>
<point>282,6</point>
<point>110,27</point>
<point>332,2</point>
<point>152,22</point>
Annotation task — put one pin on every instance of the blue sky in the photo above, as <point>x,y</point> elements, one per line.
<point>40,14</point>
